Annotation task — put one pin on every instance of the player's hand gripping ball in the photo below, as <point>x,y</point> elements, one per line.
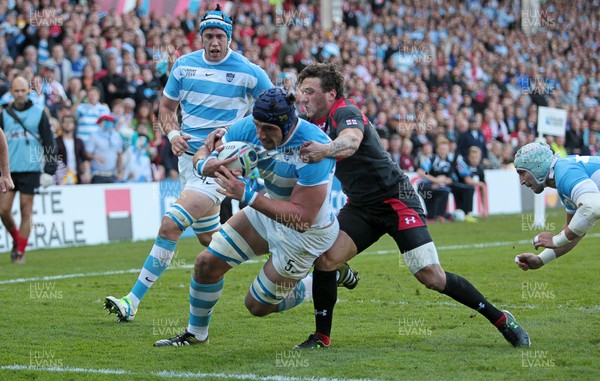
<point>247,156</point>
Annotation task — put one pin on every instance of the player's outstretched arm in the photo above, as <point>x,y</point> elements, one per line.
<point>530,261</point>
<point>345,145</point>
<point>578,224</point>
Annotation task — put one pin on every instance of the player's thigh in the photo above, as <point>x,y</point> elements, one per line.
<point>359,227</point>
<point>404,221</point>
<point>252,232</point>
<point>197,204</point>
<point>408,229</point>
<point>294,253</point>
<point>342,251</point>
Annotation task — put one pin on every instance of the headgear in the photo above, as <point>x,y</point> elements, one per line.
<point>217,19</point>
<point>274,106</point>
<point>535,158</point>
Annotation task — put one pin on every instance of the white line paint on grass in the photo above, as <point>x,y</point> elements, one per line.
<point>97,273</point>
<point>375,252</point>
<point>64,369</point>
<point>170,374</point>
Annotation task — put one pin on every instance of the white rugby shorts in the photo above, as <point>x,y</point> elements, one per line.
<point>293,253</point>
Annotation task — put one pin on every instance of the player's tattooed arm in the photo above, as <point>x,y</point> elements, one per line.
<point>342,147</point>
<point>346,144</point>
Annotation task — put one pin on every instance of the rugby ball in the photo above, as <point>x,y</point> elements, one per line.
<point>247,158</point>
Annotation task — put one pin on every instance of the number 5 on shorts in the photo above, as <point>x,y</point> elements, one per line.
<point>290,266</point>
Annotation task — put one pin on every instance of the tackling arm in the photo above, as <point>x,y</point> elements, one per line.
<point>345,145</point>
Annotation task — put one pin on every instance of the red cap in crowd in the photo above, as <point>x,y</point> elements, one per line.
<point>110,118</point>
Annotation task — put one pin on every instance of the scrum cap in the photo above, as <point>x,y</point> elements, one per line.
<point>275,106</point>
<point>535,158</point>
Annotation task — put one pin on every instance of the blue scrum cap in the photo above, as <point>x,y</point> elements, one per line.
<point>274,106</point>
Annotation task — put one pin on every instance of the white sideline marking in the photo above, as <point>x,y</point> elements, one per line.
<point>64,369</point>
<point>98,273</point>
<point>171,374</point>
<point>376,252</point>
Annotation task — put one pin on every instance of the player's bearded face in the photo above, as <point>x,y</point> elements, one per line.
<point>313,98</point>
<point>270,135</point>
<point>528,180</point>
<point>215,44</point>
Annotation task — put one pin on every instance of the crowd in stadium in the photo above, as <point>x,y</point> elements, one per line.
<point>424,72</point>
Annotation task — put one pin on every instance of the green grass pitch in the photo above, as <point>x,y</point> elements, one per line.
<point>388,328</point>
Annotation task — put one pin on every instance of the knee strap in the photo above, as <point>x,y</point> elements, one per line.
<point>182,218</point>
<point>228,245</point>
<point>265,291</point>
<point>420,257</point>
<point>207,224</point>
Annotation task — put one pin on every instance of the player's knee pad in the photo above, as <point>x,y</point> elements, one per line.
<point>265,291</point>
<point>180,216</point>
<point>420,257</point>
<point>230,246</point>
<point>207,224</point>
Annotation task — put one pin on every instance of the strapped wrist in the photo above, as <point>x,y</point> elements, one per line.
<point>202,163</point>
<point>547,256</point>
<point>249,195</point>
<point>560,239</point>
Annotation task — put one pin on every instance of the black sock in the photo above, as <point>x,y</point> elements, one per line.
<point>324,298</point>
<point>461,290</point>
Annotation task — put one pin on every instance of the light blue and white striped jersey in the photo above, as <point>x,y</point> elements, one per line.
<point>574,176</point>
<point>213,94</point>
<point>87,116</point>
<point>282,168</point>
<point>43,51</point>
